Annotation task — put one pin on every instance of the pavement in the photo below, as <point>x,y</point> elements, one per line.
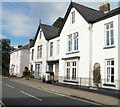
<point>90,96</point>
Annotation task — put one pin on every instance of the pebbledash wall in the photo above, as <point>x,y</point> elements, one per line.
<point>91,50</point>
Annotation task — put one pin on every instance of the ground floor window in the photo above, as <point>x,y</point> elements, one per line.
<point>110,71</point>
<point>71,70</point>
<point>37,70</point>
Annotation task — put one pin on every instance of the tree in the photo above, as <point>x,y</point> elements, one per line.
<point>58,22</point>
<point>5,49</point>
<point>96,76</point>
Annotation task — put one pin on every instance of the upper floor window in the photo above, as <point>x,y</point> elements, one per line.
<point>73,42</point>
<point>39,52</point>
<point>58,46</point>
<point>40,33</point>
<point>73,17</point>
<point>109,34</point>
<point>32,54</point>
<point>51,49</point>
<point>70,42</point>
<point>76,41</point>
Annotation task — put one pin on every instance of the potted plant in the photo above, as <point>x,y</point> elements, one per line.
<point>26,73</point>
<point>96,76</point>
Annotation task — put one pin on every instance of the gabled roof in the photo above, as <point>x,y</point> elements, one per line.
<point>50,32</point>
<point>23,47</point>
<point>87,13</point>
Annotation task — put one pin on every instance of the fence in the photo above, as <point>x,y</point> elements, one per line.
<point>87,82</point>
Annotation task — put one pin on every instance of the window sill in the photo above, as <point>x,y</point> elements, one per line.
<point>109,47</point>
<point>72,52</point>
<point>70,81</point>
<point>110,85</point>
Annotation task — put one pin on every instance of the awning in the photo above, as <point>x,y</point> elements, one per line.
<point>50,72</point>
<point>74,57</point>
<point>52,61</point>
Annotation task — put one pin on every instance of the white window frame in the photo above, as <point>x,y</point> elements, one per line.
<point>73,17</point>
<point>109,73</point>
<point>58,46</point>
<point>70,43</point>
<point>40,34</point>
<point>71,75</point>
<point>40,51</point>
<point>72,46</point>
<point>32,54</point>
<point>51,49</point>
<point>76,40</point>
<point>109,37</point>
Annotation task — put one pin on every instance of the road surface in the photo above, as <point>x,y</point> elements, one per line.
<point>18,94</point>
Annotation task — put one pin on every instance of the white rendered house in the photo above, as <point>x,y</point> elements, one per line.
<point>39,62</point>
<point>90,38</point>
<point>87,39</point>
<point>19,59</point>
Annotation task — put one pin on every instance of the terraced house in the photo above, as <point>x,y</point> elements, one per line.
<point>87,39</point>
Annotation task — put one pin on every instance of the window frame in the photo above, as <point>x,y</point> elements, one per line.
<point>108,40</point>
<point>73,17</point>
<point>109,73</point>
<point>51,49</point>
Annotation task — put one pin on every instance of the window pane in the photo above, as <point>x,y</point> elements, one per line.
<point>112,71</point>
<point>108,62</point>
<point>112,78</point>
<point>108,78</point>
<point>112,62</point>
<point>111,25</point>
<point>107,26</point>
<point>108,70</point>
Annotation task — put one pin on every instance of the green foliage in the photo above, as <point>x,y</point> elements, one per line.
<point>96,76</point>
<point>32,74</point>
<point>26,73</point>
<point>5,48</point>
<point>58,22</point>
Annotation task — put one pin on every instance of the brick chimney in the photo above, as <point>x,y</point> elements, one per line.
<point>105,7</point>
<point>31,42</point>
<point>19,46</point>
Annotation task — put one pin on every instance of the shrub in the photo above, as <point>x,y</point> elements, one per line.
<point>96,76</point>
<point>26,73</point>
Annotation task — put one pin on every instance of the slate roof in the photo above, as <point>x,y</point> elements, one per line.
<point>23,47</point>
<point>87,13</point>
<point>50,32</point>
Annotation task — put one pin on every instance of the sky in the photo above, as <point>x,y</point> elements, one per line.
<point>20,20</point>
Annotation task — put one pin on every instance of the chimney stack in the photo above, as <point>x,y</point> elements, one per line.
<point>31,42</point>
<point>105,7</point>
<point>19,46</point>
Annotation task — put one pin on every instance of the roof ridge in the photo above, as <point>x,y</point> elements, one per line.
<point>49,25</point>
<point>88,7</point>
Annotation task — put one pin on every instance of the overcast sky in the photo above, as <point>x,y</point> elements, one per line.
<point>21,19</point>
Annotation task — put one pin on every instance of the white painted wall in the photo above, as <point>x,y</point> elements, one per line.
<point>55,54</point>
<point>98,43</point>
<point>43,59</point>
<point>82,27</point>
<point>20,59</point>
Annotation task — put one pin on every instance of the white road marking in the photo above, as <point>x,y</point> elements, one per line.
<point>1,82</point>
<point>10,86</point>
<point>31,96</point>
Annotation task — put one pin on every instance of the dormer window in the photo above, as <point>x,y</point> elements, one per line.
<point>73,17</point>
